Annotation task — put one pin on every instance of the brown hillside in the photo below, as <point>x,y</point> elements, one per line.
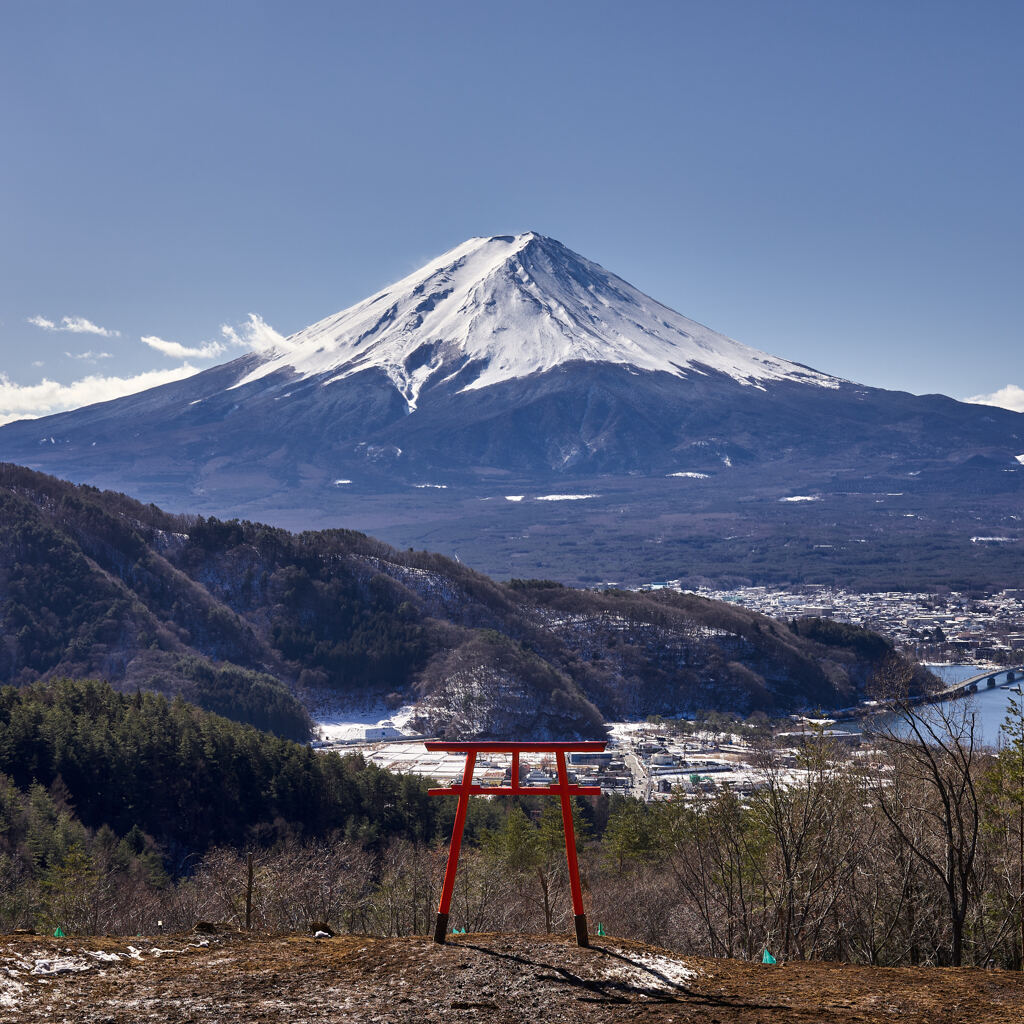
<point>500,978</point>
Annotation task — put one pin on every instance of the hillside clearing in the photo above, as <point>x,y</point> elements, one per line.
<point>503,978</point>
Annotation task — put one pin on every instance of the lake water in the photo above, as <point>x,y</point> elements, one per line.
<point>989,706</point>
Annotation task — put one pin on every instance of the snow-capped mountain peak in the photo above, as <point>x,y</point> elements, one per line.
<point>494,309</point>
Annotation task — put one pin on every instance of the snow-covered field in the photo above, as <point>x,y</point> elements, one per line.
<point>411,758</point>
<point>350,725</point>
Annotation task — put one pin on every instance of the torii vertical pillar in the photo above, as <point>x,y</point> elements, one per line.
<point>441,924</point>
<point>579,915</point>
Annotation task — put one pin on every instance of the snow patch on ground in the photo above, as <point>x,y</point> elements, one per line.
<point>514,497</point>
<point>100,954</point>
<point>1020,459</point>
<point>11,990</point>
<point>341,483</point>
<point>803,497</point>
<point>439,487</point>
<point>693,476</point>
<point>564,497</point>
<point>650,970</point>
<point>992,540</point>
<point>61,965</point>
<point>43,965</point>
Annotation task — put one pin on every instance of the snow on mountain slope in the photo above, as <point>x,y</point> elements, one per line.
<point>494,309</point>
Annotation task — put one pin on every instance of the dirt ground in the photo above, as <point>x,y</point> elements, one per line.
<point>507,979</point>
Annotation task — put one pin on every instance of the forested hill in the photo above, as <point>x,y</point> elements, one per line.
<point>81,764</point>
<point>257,624</point>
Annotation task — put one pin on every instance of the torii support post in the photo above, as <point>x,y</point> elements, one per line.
<point>563,790</point>
<point>441,924</point>
<point>579,916</point>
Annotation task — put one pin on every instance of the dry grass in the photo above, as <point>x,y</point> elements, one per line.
<point>507,979</point>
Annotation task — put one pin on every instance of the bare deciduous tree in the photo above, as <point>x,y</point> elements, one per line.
<point>930,799</point>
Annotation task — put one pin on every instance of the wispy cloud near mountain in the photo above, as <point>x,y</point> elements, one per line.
<point>29,401</point>
<point>176,350</point>
<point>1011,397</point>
<point>72,324</point>
<point>255,334</point>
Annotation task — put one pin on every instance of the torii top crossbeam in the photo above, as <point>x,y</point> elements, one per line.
<point>562,789</point>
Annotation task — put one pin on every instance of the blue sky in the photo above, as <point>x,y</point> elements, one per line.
<point>836,183</point>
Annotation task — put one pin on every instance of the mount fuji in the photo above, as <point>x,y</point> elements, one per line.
<point>518,405</point>
<point>497,309</point>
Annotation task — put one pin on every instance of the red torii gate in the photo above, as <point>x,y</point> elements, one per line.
<point>563,790</point>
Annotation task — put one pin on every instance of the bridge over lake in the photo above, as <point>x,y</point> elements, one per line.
<point>983,680</point>
<point>990,679</point>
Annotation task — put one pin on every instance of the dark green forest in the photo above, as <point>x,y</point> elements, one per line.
<point>188,779</point>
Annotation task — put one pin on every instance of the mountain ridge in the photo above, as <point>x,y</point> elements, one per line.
<point>253,622</point>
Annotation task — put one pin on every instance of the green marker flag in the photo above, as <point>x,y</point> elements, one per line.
<point>600,929</point>
<point>768,958</point>
<point>58,933</point>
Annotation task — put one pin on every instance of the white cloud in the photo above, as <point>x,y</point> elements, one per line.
<point>1011,397</point>
<point>28,401</point>
<point>74,324</point>
<point>256,335</point>
<point>176,350</point>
